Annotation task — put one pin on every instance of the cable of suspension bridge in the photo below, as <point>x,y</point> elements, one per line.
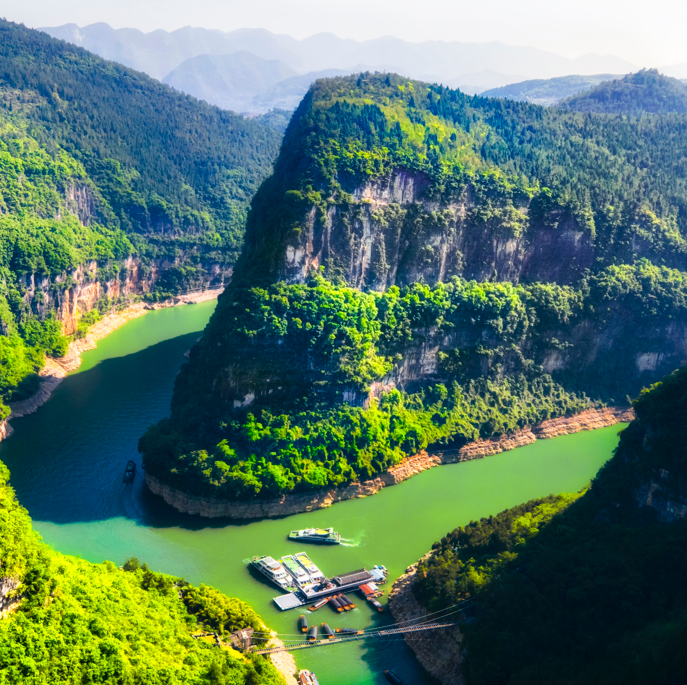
<point>421,619</point>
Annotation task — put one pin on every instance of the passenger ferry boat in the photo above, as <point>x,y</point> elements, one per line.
<point>304,560</point>
<point>274,571</point>
<point>323,536</point>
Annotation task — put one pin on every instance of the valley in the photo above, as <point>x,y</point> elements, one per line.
<point>80,440</point>
<point>449,329</point>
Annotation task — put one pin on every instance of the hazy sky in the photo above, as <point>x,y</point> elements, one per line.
<point>643,32</point>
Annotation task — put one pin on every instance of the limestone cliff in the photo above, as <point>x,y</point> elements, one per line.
<point>394,232</point>
<point>72,294</point>
<point>441,656</point>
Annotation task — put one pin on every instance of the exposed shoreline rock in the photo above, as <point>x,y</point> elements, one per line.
<point>285,505</point>
<point>284,662</point>
<point>55,370</point>
<point>440,656</point>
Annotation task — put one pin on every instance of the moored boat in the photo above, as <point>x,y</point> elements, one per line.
<point>319,603</point>
<point>303,623</point>
<point>306,677</point>
<point>273,570</point>
<point>323,536</point>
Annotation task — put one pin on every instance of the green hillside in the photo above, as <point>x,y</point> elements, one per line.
<point>647,91</point>
<point>70,621</point>
<point>99,163</point>
<point>547,92</point>
<point>423,269</point>
<point>577,589</point>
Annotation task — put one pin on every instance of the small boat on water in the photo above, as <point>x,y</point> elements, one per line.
<point>319,604</point>
<point>306,677</point>
<point>323,536</point>
<point>327,631</point>
<point>312,634</point>
<point>303,623</point>
<point>393,678</point>
<point>130,472</point>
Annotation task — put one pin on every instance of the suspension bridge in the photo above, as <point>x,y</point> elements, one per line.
<point>382,633</point>
<point>295,641</point>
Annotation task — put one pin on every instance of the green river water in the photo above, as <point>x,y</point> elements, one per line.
<point>67,462</point>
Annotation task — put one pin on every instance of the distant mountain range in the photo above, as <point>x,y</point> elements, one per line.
<point>216,67</point>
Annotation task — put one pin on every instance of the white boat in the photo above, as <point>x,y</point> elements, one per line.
<point>304,560</point>
<point>323,536</point>
<point>306,677</point>
<point>274,571</point>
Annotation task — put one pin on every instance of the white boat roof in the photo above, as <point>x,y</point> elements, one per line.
<point>272,563</point>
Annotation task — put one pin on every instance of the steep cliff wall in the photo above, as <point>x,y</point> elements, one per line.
<point>394,232</point>
<point>441,656</point>
<point>54,370</point>
<point>72,294</point>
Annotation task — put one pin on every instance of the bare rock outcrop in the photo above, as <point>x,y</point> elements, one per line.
<point>54,370</point>
<point>441,656</point>
<point>8,599</point>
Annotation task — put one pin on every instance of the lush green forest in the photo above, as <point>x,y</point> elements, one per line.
<point>647,91</point>
<point>574,589</point>
<point>288,409</point>
<point>71,621</point>
<point>621,179</point>
<point>547,92</point>
<point>299,385</point>
<point>97,164</point>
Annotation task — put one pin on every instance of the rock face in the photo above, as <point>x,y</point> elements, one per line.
<point>441,656</point>
<point>321,499</point>
<point>8,601</point>
<point>394,234</point>
<point>55,370</point>
<point>78,291</point>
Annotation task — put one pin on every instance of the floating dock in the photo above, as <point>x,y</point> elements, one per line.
<point>312,590</point>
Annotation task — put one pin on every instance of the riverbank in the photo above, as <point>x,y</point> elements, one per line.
<point>440,656</point>
<point>285,505</point>
<point>55,370</point>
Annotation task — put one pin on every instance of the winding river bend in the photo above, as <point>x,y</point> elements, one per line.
<point>67,462</point>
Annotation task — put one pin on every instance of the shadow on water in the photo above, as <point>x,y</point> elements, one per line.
<point>392,654</point>
<point>67,460</point>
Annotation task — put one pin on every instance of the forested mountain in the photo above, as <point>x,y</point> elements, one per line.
<point>426,268</point>
<point>574,589</point>
<point>111,184</point>
<point>228,81</point>
<point>547,92</point>
<point>64,619</point>
<point>635,94</point>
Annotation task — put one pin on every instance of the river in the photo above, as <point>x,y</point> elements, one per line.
<point>67,461</point>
